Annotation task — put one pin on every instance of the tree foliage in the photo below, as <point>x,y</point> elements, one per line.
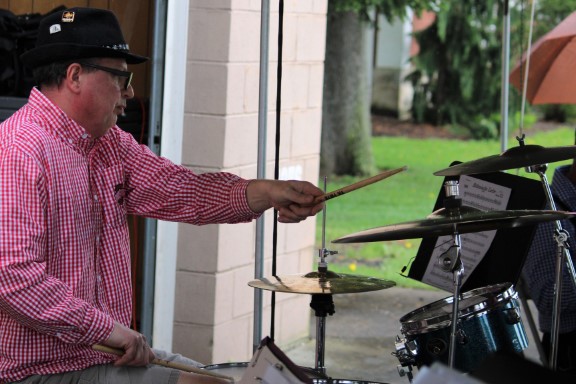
<point>390,9</point>
<point>458,73</point>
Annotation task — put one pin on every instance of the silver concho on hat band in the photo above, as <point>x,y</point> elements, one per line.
<point>118,47</point>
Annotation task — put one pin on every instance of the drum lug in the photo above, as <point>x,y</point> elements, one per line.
<point>512,316</point>
<point>406,352</point>
<point>412,347</point>
<point>405,371</point>
<point>461,337</point>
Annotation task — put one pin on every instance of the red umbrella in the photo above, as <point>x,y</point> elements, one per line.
<point>552,64</point>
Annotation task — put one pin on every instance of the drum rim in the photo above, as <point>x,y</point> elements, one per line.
<point>319,380</point>
<point>226,365</point>
<point>244,364</point>
<point>335,380</point>
<point>505,293</point>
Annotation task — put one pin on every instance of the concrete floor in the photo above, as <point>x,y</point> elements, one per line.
<point>360,336</point>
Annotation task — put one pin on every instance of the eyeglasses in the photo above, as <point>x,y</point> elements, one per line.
<point>117,72</point>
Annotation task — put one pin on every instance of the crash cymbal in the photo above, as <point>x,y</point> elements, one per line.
<point>317,283</point>
<point>513,158</point>
<point>447,221</point>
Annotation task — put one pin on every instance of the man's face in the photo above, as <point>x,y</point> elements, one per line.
<point>103,95</point>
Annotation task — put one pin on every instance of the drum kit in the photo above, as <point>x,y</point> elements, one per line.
<point>464,328</point>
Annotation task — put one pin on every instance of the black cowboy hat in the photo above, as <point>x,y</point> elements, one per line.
<point>79,33</point>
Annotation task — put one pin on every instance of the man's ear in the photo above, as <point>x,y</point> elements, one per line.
<point>73,78</point>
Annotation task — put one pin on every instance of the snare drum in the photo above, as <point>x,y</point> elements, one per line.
<point>489,321</point>
<point>236,371</point>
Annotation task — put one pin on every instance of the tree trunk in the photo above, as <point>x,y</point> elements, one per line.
<point>346,124</point>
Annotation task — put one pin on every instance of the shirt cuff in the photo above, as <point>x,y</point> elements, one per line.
<point>99,329</point>
<point>239,201</point>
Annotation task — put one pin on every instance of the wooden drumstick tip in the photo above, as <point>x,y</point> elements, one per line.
<point>359,184</point>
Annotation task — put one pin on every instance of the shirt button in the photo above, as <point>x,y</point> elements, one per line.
<point>70,141</point>
<point>85,135</point>
<point>95,197</point>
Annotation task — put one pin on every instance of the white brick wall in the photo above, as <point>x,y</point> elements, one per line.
<point>213,314</point>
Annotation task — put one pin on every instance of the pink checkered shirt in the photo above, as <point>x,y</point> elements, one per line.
<point>64,241</point>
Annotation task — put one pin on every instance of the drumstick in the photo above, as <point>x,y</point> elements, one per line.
<point>165,363</point>
<point>358,185</point>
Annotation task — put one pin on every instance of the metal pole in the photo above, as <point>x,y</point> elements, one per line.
<point>155,118</point>
<point>562,256</point>
<point>261,166</point>
<point>505,80</point>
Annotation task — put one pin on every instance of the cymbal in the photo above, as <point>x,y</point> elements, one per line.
<point>317,283</point>
<point>517,157</point>
<point>447,221</point>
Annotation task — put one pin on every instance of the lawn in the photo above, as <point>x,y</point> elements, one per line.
<point>407,196</point>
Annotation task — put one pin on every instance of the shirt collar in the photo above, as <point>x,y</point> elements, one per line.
<point>59,124</point>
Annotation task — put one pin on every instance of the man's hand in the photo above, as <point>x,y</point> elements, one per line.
<point>137,352</point>
<point>294,200</point>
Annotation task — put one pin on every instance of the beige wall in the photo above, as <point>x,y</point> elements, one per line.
<point>213,314</point>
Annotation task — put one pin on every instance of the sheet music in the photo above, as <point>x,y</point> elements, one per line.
<point>269,365</point>
<point>479,194</point>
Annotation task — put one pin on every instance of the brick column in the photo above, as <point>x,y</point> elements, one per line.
<point>213,303</point>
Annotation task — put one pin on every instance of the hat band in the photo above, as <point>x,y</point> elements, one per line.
<point>118,47</point>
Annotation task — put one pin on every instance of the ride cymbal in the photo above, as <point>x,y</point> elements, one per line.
<point>513,158</point>
<point>317,283</point>
<point>449,221</point>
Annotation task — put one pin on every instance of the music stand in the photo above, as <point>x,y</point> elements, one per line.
<point>502,263</point>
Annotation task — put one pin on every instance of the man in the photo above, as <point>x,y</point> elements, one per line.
<point>539,272</point>
<point>68,178</point>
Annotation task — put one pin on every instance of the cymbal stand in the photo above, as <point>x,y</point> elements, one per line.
<point>562,256</point>
<point>451,262</point>
<point>322,304</point>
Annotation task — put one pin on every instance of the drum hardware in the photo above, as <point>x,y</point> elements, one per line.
<point>322,284</point>
<point>512,316</point>
<point>525,155</point>
<point>461,337</point>
<point>323,281</point>
<point>562,256</point>
<point>322,305</point>
<point>454,219</point>
<point>534,159</point>
<point>406,352</point>
<point>442,222</point>
<point>488,322</point>
<point>452,262</point>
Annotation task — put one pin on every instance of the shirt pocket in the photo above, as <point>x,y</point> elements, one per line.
<point>113,193</point>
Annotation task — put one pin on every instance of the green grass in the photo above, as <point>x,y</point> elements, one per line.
<point>406,196</point>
